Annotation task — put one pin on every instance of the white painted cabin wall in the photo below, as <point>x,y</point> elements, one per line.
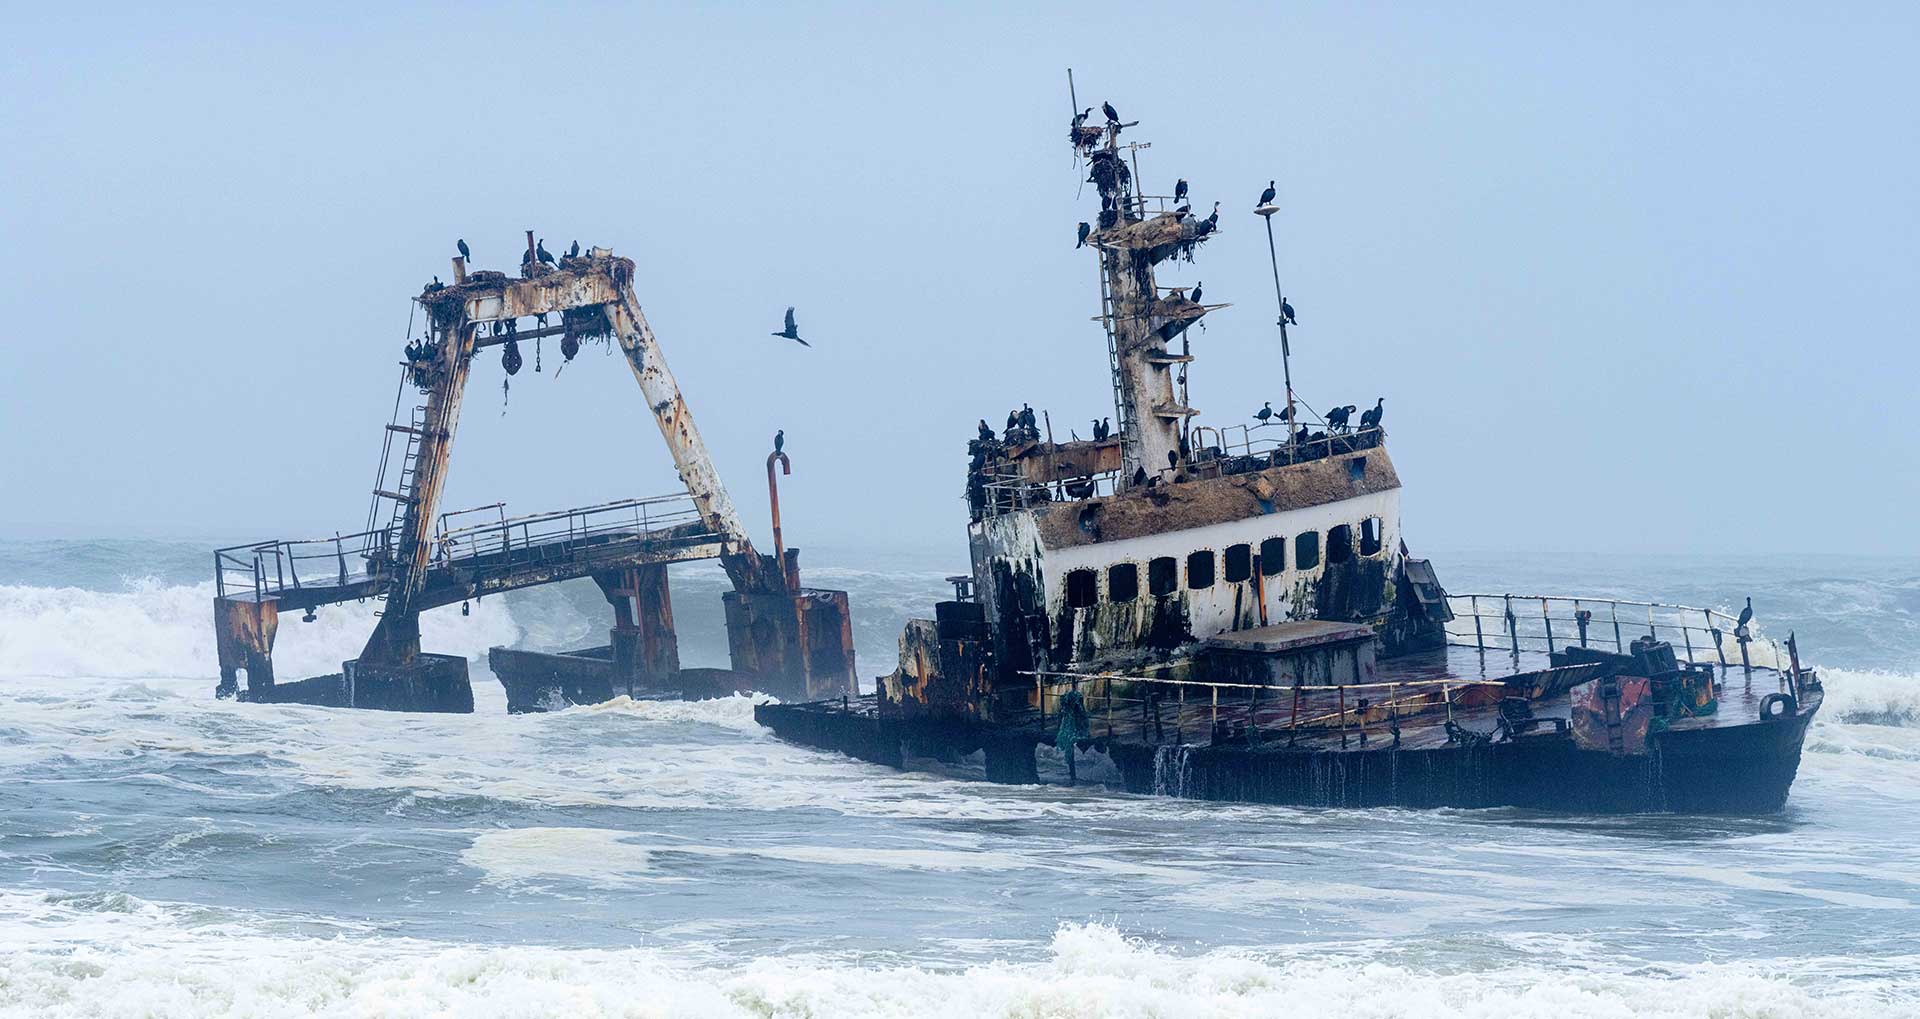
<point>1211,610</point>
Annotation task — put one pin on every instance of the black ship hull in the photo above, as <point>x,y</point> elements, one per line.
<point>1744,768</point>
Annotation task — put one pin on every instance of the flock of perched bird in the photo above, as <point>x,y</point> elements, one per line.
<point>1338,418</point>
<point>540,255</point>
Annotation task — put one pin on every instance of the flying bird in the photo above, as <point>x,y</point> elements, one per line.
<point>1180,189</point>
<point>792,331</point>
<point>464,253</point>
<point>1113,117</point>
<point>1266,197</point>
<point>1084,231</point>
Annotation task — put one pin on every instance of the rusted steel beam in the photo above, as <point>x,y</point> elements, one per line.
<point>743,564</point>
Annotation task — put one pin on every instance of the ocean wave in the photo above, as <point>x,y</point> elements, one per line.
<point>1871,697</point>
<point>159,631</point>
<point>69,958</point>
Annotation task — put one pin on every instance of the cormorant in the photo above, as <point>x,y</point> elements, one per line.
<point>1182,212</point>
<point>1266,197</point>
<point>527,258</point>
<point>779,440</point>
<point>1179,189</point>
<point>1746,614</point>
<point>1106,427</point>
<point>1196,292</point>
<point>1286,312</point>
<point>1096,430</point>
<point>1371,418</point>
<point>464,253</point>
<point>1113,116</point>
<point>1213,220</point>
<point>986,434</point>
<point>1337,418</point>
<point>1084,231</point>
<point>1139,476</point>
<point>1301,435</point>
<point>792,332</point>
<point>1173,459</point>
<point>574,252</point>
<point>1265,411</point>
<point>1081,117</point>
<point>540,252</point>
<point>1013,420</point>
<point>1027,418</point>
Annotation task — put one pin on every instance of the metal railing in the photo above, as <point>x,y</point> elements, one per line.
<point>1236,449</point>
<point>1548,623</point>
<point>274,568</point>
<point>564,530</point>
<point>1169,708</point>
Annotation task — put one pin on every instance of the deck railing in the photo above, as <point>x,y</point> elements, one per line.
<point>1236,449</point>
<point>1166,709</point>
<point>274,568</point>
<point>1550,623</point>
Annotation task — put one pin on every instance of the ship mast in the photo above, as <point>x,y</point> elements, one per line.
<point>1138,322</point>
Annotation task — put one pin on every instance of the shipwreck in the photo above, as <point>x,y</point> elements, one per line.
<point>1230,611</point>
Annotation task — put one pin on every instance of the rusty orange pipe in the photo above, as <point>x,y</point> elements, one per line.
<point>773,500</point>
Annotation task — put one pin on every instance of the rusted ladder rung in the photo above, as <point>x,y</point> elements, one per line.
<point>381,493</point>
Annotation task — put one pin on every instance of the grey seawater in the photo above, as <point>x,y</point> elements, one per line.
<point>163,853</point>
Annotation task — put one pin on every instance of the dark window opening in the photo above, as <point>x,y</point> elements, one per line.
<point>1123,582</point>
<point>1163,576</point>
<point>1306,551</point>
<point>1339,544</point>
<point>1357,468</point>
<point>1239,564</point>
<point>1200,570</point>
<point>1370,536</point>
<point>1273,557</point>
<point>1083,589</point>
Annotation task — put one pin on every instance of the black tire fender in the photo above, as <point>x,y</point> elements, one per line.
<point>1786,707</point>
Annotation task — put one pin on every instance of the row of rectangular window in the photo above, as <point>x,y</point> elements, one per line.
<point>1163,573</point>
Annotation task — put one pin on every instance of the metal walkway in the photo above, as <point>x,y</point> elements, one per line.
<point>473,554</point>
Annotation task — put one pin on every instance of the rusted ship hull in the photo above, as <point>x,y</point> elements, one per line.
<point>1731,769</point>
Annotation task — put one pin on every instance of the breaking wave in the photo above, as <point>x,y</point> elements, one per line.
<point>1875,697</point>
<point>158,631</point>
<point>118,956</point>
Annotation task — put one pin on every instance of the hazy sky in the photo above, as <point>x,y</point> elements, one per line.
<point>1628,277</point>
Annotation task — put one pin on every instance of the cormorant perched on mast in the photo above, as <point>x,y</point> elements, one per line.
<point>1266,197</point>
<point>1113,116</point>
<point>1265,412</point>
<point>464,253</point>
<point>1180,189</point>
<point>779,440</point>
<point>1084,231</point>
<point>1286,312</point>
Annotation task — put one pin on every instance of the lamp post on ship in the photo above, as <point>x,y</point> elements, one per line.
<point>1286,370</point>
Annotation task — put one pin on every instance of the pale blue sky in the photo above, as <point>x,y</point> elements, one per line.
<point>1628,276</point>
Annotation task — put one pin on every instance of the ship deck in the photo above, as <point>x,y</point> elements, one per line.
<point>1326,718</point>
